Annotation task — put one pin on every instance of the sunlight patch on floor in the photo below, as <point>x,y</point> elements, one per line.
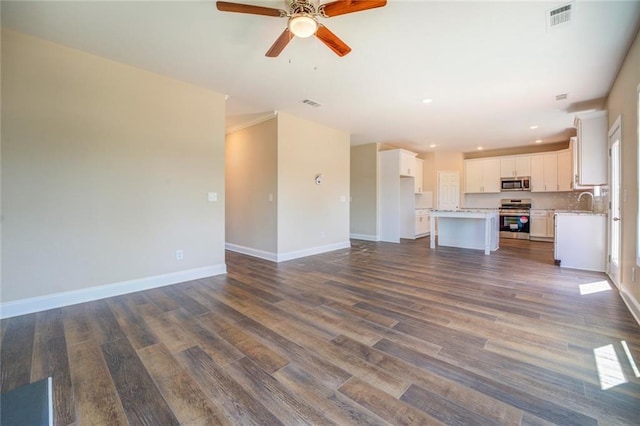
<point>632,362</point>
<point>594,287</point>
<point>609,368</point>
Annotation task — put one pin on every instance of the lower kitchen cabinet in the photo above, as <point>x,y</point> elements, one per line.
<point>423,223</point>
<point>551,224</point>
<point>541,228</point>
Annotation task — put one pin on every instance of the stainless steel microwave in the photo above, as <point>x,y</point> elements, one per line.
<point>515,184</point>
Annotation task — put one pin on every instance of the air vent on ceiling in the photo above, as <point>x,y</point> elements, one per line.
<point>561,97</point>
<point>311,103</point>
<point>559,16</point>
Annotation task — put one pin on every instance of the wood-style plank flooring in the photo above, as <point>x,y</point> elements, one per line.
<point>377,334</point>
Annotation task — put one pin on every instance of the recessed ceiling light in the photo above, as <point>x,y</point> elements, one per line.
<point>433,145</point>
<point>538,140</point>
<point>479,148</point>
<point>427,101</point>
<point>535,126</point>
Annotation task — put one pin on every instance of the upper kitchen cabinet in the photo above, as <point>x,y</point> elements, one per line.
<point>407,160</point>
<point>551,172</point>
<point>482,175</point>
<point>401,160</point>
<point>565,170</point>
<point>419,175</point>
<point>517,166</point>
<point>591,149</point>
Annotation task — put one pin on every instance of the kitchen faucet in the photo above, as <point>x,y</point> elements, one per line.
<point>586,193</point>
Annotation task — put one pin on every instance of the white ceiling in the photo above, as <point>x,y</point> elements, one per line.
<point>493,69</point>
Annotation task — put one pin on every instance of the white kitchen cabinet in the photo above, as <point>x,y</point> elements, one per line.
<point>551,172</point>
<point>544,172</point>
<point>418,176</point>
<point>551,221</point>
<point>538,226</point>
<point>550,167</point>
<point>482,175</point>
<point>537,173</point>
<point>472,176</point>
<point>575,184</point>
<point>407,162</point>
<point>591,149</point>
<point>541,225</point>
<point>565,170</point>
<point>516,166</point>
<point>580,240</point>
<point>422,223</point>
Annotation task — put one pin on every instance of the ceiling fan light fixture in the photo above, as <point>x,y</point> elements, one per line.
<point>303,25</point>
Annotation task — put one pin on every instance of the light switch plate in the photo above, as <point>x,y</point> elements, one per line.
<point>213,196</point>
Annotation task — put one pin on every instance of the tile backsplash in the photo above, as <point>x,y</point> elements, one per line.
<point>541,200</point>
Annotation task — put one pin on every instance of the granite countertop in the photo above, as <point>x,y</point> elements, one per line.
<point>580,213</point>
<point>476,209</point>
<point>463,210</point>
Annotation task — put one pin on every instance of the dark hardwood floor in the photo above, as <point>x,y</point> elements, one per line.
<point>377,334</point>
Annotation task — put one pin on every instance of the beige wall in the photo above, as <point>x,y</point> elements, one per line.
<point>250,178</point>
<point>105,171</point>
<point>311,215</point>
<point>445,161</point>
<point>364,191</point>
<point>428,176</point>
<point>623,101</point>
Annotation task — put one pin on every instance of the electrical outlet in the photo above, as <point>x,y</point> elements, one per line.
<point>179,254</point>
<point>212,196</point>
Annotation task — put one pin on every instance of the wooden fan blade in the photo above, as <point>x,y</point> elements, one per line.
<point>280,43</point>
<point>332,41</point>
<point>341,7</point>
<point>248,8</point>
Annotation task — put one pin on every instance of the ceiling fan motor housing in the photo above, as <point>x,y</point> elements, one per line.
<point>303,7</point>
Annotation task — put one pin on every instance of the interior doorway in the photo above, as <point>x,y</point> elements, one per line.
<point>615,142</point>
<point>448,190</point>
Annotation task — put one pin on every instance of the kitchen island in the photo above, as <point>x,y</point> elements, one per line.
<point>466,228</point>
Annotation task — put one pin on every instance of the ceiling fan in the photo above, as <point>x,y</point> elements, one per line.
<point>303,20</point>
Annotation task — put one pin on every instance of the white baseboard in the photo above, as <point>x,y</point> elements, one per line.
<point>261,254</point>
<point>283,257</point>
<point>632,304</point>
<point>57,300</point>
<point>364,237</point>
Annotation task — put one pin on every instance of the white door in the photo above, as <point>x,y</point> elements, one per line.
<point>448,190</point>
<point>614,212</point>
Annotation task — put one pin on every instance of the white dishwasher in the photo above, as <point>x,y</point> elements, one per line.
<point>581,240</point>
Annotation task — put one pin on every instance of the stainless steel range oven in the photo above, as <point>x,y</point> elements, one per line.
<point>515,218</point>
